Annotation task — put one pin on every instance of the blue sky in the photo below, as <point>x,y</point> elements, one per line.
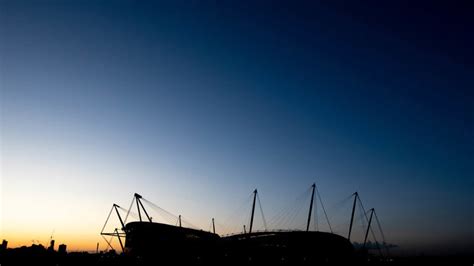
<point>195,104</point>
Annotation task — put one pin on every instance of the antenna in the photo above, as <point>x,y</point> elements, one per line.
<point>213,226</point>
<point>52,234</point>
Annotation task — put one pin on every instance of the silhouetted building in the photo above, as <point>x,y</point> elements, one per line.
<point>62,249</point>
<point>4,245</point>
<point>51,246</point>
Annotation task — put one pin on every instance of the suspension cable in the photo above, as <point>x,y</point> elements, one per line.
<point>315,216</point>
<point>324,209</point>
<point>175,217</point>
<point>384,243</point>
<point>261,211</point>
<point>109,242</point>
<point>131,213</point>
<point>286,216</point>
<point>129,209</point>
<point>108,216</point>
<point>372,231</point>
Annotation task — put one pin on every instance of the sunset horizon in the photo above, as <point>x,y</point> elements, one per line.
<point>194,105</point>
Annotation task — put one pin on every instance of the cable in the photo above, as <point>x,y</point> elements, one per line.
<point>324,209</point>
<point>261,211</point>
<point>285,216</point>
<point>381,232</point>
<point>372,231</point>
<point>131,213</point>
<point>108,216</point>
<point>129,209</point>
<point>315,217</point>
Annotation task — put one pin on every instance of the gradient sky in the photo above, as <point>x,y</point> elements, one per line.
<point>194,104</point>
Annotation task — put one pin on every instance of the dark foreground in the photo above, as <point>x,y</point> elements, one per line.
<point>32,256</point>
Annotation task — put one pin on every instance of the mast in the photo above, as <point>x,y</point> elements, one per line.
<point>368,226</point>
<point>352,216</point>
<point>120,239</point>
<point>213,226</point>
<point>179,218</point>
<point>118,214</point>
<point>138,207</point>
<point>310,207</point>
<point>139,203</point>
<point>253,210</point>
<point>115,232</point>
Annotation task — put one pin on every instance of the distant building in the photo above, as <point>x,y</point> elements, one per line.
<point>51,246</point>
<point>4,245</point>
<point>62,249</point>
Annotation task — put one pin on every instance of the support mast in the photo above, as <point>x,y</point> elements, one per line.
<point>120,239</point>
<point>253,210</point>
<point>118,214</point>
<point>368,226</point>
<point>310,207</point>
<point>356,195</point>
<point>139,203</point>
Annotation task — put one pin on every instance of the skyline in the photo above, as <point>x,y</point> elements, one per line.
<point>194,105</point>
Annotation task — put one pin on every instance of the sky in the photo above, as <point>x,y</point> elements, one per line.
<point>193,104</point>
